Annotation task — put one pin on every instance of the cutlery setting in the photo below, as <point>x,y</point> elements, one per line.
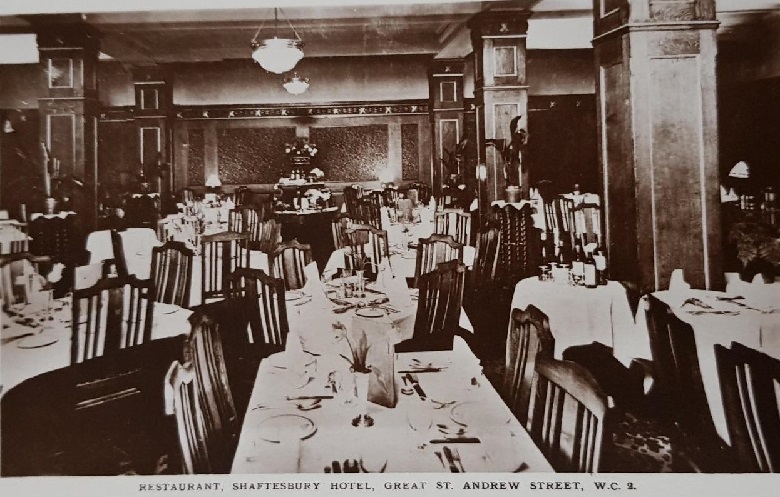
<point>352,466</point>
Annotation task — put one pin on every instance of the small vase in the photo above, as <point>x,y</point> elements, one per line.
<point>361,394</point>
<point>513,194</point>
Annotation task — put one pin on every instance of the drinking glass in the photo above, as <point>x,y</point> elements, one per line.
<point>419,419</point>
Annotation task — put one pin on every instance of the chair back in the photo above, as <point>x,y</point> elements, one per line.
<point>171,273</point>
<point>528,339</point>
<point>390,196</point>
<point>454,222</point>
<point>264,302</point>
<point>338,227</point>
<point>677,372</point>
<point>748,380</point>
<point>287,262</point>
<point>13,237</point>
<point>486,258</point>
<point>13,266</point>
<point>567,421</point>
<point>241,195</point>
<point>203,348</point>
<point>221,254</point>
<point>434,250</point>
<point>183,400</point>
<point>115,313</point>
<point>370,211</point>
<point>366,244</point>
<point>438,308</point>
<point>423,192</point>
<point>188,195</point>
<point>352,195</point>
<point>265,235</point>
<point>236,220</point>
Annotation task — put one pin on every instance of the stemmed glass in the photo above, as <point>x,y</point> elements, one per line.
<point>420,421</point>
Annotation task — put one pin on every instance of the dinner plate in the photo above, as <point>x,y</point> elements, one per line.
<point>293,295</point>
<point>36,341</point>
<point>370,312</point>
<point>286,427</point>
<point>408,255</point>
<point>470,412</point>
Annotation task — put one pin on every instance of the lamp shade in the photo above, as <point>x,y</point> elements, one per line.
<point>277,55</point>
<point>740,170</point>
<point>213,181</point>
<point>296,85</point>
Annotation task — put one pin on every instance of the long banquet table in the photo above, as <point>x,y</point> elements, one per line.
<point>458,391</point>
<point>22,356</point>
<point>725,322</point>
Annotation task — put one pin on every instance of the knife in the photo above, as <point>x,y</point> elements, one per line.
<point>450,460</point>
<point>456,458</point>
<point>422,370</point>
<point>416,386</point>
<point>310,397</point>
<point>455,440</point>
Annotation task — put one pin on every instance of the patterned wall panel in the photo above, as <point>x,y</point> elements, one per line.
<point>196,157</point>
<point>351,153</point>
<point>253,155</point>
<point>410,151</point>
<point>117,153</point>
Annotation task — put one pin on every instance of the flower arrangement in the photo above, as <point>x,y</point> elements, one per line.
<point>317,173</point>
<point>300,148</point>
<point>359,352</point>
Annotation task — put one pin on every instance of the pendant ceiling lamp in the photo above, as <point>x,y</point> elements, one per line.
<point>296,84</point>
<point>277,55</point>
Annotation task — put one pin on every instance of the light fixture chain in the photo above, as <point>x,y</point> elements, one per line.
<point>297,36</point>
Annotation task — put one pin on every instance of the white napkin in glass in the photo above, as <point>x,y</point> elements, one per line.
<point>397,291</point>
<point>677,283</point>
<point>314,285</point>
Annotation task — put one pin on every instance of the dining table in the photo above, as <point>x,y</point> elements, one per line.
<point>36,339</point>
<point>579,316</point>
<point>302,414</point>
<point>748,314</point>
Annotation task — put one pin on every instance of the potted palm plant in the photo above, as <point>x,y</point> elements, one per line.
<point>758,249</point>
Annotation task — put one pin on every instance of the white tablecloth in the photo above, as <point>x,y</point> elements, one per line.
<point>18,364</point>
<point>754,329</point>
<point>136,242</point>
<point>580,315</point>
<point>504,446</point>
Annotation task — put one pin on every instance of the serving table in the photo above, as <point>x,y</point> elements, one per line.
<point>753,321</point>
<point>22,358</point>
<point>580,315</point>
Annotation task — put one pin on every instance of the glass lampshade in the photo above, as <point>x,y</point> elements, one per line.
<point>296,85</point>
<point>277,55</point>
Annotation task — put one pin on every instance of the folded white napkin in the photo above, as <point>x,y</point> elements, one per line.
<point>397,291</point>
<point>314,285</point>
<point>677,282</point>
<point>384,218</point>
<point>432,204</point>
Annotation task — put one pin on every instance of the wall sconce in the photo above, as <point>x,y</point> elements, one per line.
<point>482,172</point>
<point>213,181</point>
<point>8,127</point>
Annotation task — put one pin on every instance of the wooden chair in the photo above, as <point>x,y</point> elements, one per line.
<point>366,243</point>
<point>424,192</point>
<point>338,227</point>
<point>390,196</point>
<point>370,211</point>
<point>119,254</point>
<point>241,195</point>
<point>748,380</point>
<point>529,338</point>
<point>434,250</point>
<point>20,243</point>
<point>438,309</point>
<point>265,235</point>
<point>171,273</point>
<point>236,220</point>
<point>183,400</point>
<point>681,388</point>
<point>115,313</point>
<point>203,348</point>
<point>287,261</point>
<point>454,222</point>
<point>221,254</point>
<point>13,265</point>
<point>485,259</point>
<point>267,306</point>
<point>188,195</point>
<point>587,223</point>
<point>568,416</point>
<point>352,195</point>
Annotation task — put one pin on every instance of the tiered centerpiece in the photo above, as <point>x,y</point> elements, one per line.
<point>303,189</point>
<point>300,155</point>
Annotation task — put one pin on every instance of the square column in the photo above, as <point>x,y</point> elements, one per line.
<point>445,79</point>
<point>658,140</point>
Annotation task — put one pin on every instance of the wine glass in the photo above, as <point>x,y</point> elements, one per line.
<point>420,421</point>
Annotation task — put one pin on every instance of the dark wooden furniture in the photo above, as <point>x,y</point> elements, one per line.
<point>748,380</point>
<point>366,244</point>
<point>486,258</point>
<point>438,308</point>
<point>519,251</point>
<point>352,196</point>
<point>184,402</point>
<point>142,210</point>
<point>454,222</point>
<point>171,273</point>
<point>221,254</point>
<point>287,262</point>
<point>529,339</point>
<point>265,235</point>
<point>568,416</point>
<point>113,314</point>
<point>338,227</point>
<point>266,307</point>
<point>311,228</point>
<point>434,250</point>
<point>681,389</point>
<point>119,253</point>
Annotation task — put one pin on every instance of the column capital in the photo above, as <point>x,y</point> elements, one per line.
<point>613,16</point>
<point>499,24</point>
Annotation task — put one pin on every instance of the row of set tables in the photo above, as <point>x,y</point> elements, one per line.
<point>432,412</point>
